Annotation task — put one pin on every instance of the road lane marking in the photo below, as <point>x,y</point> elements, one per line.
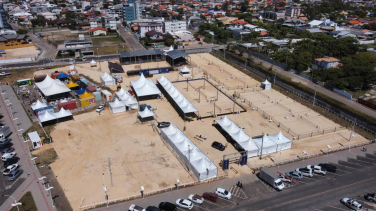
<point>227,200</point>
<point>213,203</point>
<point>336,208</point>
<point>318,194</point>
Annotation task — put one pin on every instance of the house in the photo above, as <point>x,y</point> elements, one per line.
<point>273,16</point>
<point>98,31</point>
<point>195,23</point>
<point>239,33</point>
<point>83,25</point>
<point>14,41</point>
<point>325,63</point>
<point>174,26</point>
<point>154,35</point>
<point>142,28</point>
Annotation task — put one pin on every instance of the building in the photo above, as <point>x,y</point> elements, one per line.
<point>154,35</point>
<point>325,63</point>
<point>104,22</point>
<point>117,10</point>
<point>174,26</point>
<point>84,4</point>
<point>239,33</point>
<point>82,46</point>
<point>98,31</point>
<point>293,12</point>
<point>3,19</point>
<point>14,41</point>
<point>132,10</point>
<point>38,9</point>
<point>143,28</point>
<point>270,15</point>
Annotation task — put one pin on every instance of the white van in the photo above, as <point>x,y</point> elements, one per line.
<point>317,169</point>
<point>305,172</point>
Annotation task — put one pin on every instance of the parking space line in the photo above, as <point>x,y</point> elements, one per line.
<point>347,167</point>
<point>367,202</point>
<point>357,164</point>
<point>199,206</point>
<point>227,200</point>
<point>267,187</point>
<point>336,207</point>
<point>366,162</point>
<point>213,203</point>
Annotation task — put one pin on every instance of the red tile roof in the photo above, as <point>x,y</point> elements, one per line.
<point>98,28</point>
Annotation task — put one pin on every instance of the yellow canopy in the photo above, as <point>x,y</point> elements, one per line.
<point>71,84</point>
<point>86,95</point>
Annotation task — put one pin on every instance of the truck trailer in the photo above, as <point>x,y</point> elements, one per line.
<point>4,132</point>
<point>272,178</point>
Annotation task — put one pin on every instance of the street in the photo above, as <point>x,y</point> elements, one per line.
<point>129,39</point>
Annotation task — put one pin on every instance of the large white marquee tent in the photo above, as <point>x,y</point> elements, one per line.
<point>107,79</point>
<point>190,155</point>
<point>50,87</point>
<point>117,106</point>
<point>145,87</point>
<point>127,99</point>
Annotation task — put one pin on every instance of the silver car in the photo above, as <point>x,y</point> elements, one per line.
<point>294,174</point>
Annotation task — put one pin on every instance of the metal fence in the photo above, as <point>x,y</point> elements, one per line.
<point>262,57</point>
<point>307,96</point>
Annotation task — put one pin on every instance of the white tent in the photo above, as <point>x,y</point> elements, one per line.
<point>51,87</point>
<point>63,113</point>
<point>145,87</point>
<point>47,116</point>
<point>93,63</point>
<point>265,144</point>
<point>35,140</point>
<point>281,140</point>
<point>185,71</point>
<point>240,136</point>
<point>163,80</point>
<point>38,105</point>
<point>117,106</point>
<point>107,79</point>
<point>193,154</point>
<point>231,128</point>
<point>251,147</point>
<point>266,84</point>
<point>205,168</point>
<point>223,122</point>
<point>146,113</point>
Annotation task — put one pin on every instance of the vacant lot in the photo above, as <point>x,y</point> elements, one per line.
<point>107,40</point>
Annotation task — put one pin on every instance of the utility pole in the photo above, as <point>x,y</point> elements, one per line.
<point>109,166</point>
<point>352,133</point>
<point>262,145</point>
<point>189,157</point>
<point>275,74</point>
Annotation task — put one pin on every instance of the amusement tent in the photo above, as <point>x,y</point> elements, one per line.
<point>53,89</point>
<point>62,76</point>
<point>266,84</point>
<point>93,63</point>
<point>80,91</point>
<point>251,147</point>
<point>47,118</point>
<point>127,99</point>
<point>145,87</point>
<point>185,71</point>
<point>190,155</point>
<point>72,85</point>
<point>117,106</point>
<point>63,114</point>
<point>107,79</point>
<point>267,145</point>
<point>87,99</point>
<point>281,140</point>
<point>35,140</point>
<point>175,97</point>
<point>146,114</point>
<point>38,105</point>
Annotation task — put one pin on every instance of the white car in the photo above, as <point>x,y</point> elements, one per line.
<point>8,155</point>
<point>184,203</point>
<point>223,193</point>
<point>10,169</point>
<point>100,108</point>
<point>196,199</point>
<point>317,169</point>
<point>352,204</point>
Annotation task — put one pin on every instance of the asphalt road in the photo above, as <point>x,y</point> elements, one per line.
<point>129,38</point>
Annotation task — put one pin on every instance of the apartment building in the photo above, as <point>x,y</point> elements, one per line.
<point>174,26</point>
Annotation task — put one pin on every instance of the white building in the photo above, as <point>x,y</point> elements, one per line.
<point>104,22</point>
<point>146,27</point>
<point>175,25</point>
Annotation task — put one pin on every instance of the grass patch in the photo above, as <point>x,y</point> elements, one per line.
<point>106,40</point>
<point>66,56</point>
<point>28,203</point>
<point>109,50</point>
<point>17,74</point>
<point>46,157</point>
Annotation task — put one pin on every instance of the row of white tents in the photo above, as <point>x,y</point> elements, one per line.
<point>145,87</point>
<point>127,99</point>
<point>254,146</point>
<point>49,117</point>
<point>107,79</point>
<point>176,95</point>
<point>197,162</point>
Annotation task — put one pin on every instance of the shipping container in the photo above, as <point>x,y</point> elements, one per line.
<point>71,105</point>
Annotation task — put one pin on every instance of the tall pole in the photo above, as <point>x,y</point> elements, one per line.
<point>262,145</point>
<point>279,159</point>
<point>314,98</point>
<point>214,108</point>
<point>15,201</point>
<point>109,166</point>
<point>189,157</point>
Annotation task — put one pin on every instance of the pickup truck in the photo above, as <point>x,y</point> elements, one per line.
<point>5,73</point>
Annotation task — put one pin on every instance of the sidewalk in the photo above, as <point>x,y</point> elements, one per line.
<point>20,120</point>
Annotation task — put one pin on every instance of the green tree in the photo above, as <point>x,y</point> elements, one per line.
<point>148,41</point>
<point>169,41</point>
<point>22,31</point>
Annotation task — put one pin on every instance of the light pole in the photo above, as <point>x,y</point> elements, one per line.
<point>279,159</point>
<point>16,204</point>
<point>314,97</point>
<point>28,148</point>
<point>49,191</point>
<point>305,153</point>
<point>33,159</point>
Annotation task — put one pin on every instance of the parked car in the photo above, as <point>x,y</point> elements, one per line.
<point>294,174</point>
<point>167,206</point>
<point>370,197</point>
<point>5,73</point>
<point>317,169</point>
<point>100,108</point>
<point>5,140</point>
<point>11,161</point>
<point>14,174</point>
<point>184,203</point>
<point>328,167</point>
<point>352,204</point>
<point>152,208</point>
<point>134,207</point>
<point>163,124</point>
<point>7,150</point>
<point>40,68</point>
<point>196,198</point>
<point>4,146</point>
<point>10,169</point>
<point>284,179</point>
<point>218,146</point>
<point>305,172</point>
<point>210,196</point>
<point>223,193</point>
<point>8,155</point>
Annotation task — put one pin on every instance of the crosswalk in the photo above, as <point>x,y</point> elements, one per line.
<point>238,192</point>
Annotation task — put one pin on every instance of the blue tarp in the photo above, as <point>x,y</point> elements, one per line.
<point>80,91</point>
<point>62,75</point>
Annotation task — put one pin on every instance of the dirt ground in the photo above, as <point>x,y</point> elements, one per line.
<point>19,53</point>
<point>138,157</point>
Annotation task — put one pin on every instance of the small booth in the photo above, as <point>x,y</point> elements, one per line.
<point>84,80</point>
<point>24,82</point>
<point>117,106</point>
<point>107,79</point>
<point>80,91</point>
<point>62,76</point>
<point>38,105</point>
<point>146,115</point>
<point>35,140</point>
<point>97,95</point>
<point>93,63</point>
<point>106,95</point>
<point>91,89</point>
<point>73,86</point>
<point>266,85</point>
<point>87,99</point>
<point>75,77</point>
<point>70,105</point>
<point>185,71</point>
